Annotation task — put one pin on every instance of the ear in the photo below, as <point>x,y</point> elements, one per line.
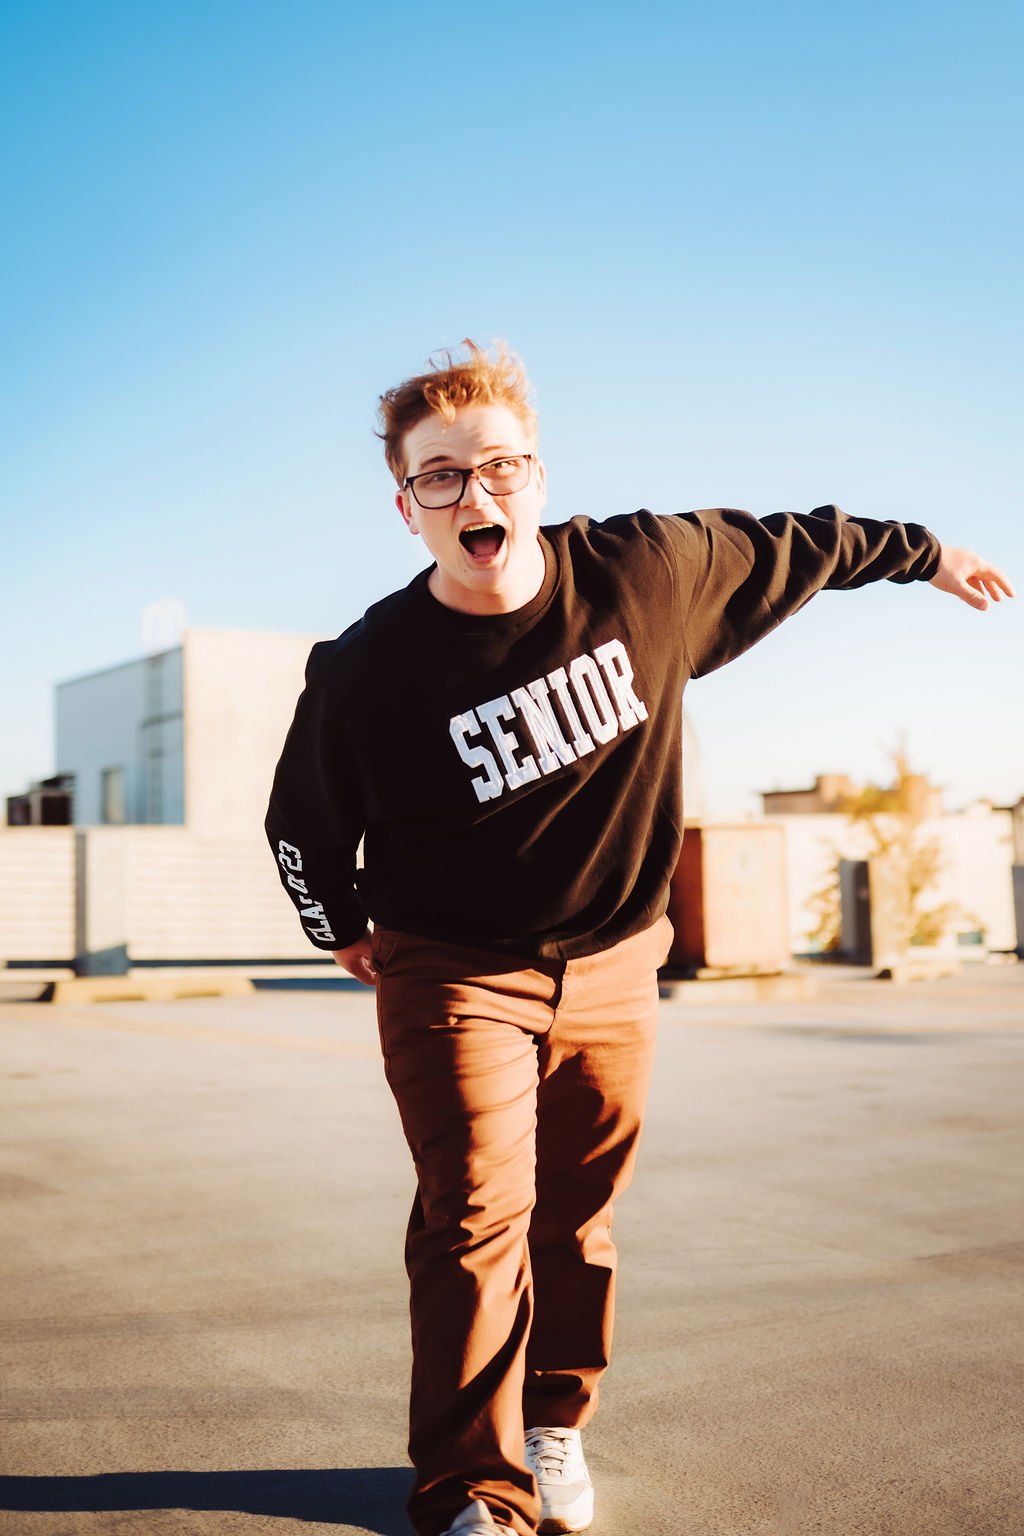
<point>542,483</point>
<point>407,507</point>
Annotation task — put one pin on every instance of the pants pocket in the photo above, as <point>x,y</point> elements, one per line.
<point>383,944</point>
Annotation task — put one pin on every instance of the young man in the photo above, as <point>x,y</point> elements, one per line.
<point>505,734</point>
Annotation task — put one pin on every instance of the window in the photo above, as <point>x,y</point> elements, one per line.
<point>112,796</point>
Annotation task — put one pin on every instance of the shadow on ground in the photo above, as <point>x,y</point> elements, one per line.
<point>370,1497</point>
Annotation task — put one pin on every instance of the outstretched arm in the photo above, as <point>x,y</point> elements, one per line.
<point>739,576</point>
<point>970,578</point>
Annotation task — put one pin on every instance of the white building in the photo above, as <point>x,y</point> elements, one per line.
<point>120,733</point>
<point>189,736</point>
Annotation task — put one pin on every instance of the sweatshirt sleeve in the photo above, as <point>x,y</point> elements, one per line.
<point>739,576</point>
<point>315,820</point>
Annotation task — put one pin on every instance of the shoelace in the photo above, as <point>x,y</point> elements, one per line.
<point>553,1451</point>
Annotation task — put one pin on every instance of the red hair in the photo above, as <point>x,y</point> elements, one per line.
<point>498,378</point>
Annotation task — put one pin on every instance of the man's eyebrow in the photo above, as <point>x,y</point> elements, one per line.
<point>447,458</point>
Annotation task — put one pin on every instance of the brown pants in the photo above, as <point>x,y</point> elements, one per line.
<point>521,1094</point>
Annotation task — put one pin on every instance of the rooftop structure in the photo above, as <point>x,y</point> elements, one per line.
<point>832,791</point>
<point>188,736</point>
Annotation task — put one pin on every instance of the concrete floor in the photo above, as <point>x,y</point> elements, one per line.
<point>820,1298</point>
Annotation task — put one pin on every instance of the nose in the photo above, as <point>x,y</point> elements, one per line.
<point>474,495</point>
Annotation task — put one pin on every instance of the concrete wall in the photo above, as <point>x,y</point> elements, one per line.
<point>977,848</point>
<point>240,690</point>
<point>186,897</point>
<point>206,898</point>
<point>1017,813</point>
<point>191,895</point>
<point>37,893</point>
<point>126,717</point>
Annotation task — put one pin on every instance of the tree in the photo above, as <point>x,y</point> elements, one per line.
<point>893,818</point>
<point>824,903</point>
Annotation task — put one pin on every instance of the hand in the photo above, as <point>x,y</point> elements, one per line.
<point>356,960</point>
<point>971,578</point>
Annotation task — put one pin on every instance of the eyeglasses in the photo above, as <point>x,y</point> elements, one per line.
<point>437,488</point>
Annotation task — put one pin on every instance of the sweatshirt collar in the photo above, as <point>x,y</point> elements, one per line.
<point>491,623</point>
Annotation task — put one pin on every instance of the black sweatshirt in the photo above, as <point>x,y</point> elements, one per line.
<point>518,776</point>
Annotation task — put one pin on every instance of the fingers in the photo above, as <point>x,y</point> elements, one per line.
<point>977,583</point>
<point>366,974</point>
<point>976,592</point>
<point>996,580</point>
<point>361,967</point>
<point>358,964</point>
<point>991,583</point>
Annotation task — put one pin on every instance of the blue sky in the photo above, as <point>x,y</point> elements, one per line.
<point>758,256</point>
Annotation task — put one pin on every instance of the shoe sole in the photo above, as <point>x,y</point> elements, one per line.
<point>555,1527</point>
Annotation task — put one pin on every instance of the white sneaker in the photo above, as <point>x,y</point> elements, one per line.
<point>555,1457</point>
<point>475,1520</point>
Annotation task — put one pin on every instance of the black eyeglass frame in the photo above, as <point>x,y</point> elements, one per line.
<point>409,483</point>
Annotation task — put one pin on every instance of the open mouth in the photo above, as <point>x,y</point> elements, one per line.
<point>482,540</point>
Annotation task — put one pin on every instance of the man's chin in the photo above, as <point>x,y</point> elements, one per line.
<point>493,566</point>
